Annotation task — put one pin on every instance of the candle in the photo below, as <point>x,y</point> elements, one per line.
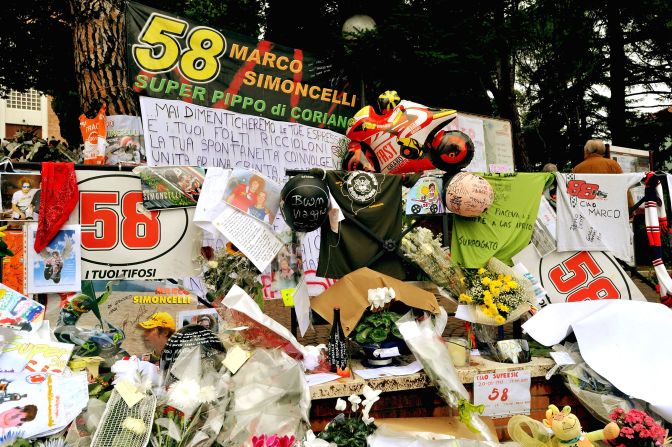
<point>457,347</point>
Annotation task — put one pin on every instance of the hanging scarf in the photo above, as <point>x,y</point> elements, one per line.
<point>58,197</point>
<point>656,221</point>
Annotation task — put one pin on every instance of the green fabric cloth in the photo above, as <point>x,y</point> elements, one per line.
<point>506,227</point>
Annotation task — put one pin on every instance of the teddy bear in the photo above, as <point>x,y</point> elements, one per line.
<point>565,428</point>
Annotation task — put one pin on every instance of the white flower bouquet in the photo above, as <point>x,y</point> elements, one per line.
<point>432,352</point>
<point>420,246</point>
<point>191,411</point>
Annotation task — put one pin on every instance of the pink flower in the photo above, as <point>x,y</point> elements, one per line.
<point>645,434</point>
<point>259,441</point>
<point>627,432</point>
<point>648,420</point>
<point>272,441</point>
<point>634,417</point>
<point>616,414</point>
<point>287,441</point>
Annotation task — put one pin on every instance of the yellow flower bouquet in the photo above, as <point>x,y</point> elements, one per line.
<point>496,294</point>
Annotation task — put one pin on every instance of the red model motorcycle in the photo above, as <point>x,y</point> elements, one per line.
<point>409,138</point>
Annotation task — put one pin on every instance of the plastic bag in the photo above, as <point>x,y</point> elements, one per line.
<point>594,392</point>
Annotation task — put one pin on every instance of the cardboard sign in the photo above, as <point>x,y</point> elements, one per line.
<point>121,241</point>
<point>579,276</point>
<point>503,393</point>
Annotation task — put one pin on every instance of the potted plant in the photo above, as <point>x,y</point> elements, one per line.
<point>377,332</point>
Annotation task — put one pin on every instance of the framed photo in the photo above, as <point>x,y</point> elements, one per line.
<point>57,268</point>
<point>207,318</point>
<point>254,194</point>
<point>20,196</point>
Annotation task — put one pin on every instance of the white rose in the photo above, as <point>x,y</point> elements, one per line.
<point>212,264</point>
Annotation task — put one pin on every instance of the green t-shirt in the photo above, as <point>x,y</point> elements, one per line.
<point>506,227</point>
<point>375,201</point>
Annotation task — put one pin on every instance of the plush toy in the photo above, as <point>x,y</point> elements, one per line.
<point>566,430</point>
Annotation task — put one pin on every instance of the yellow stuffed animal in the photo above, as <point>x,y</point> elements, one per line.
<point>565,426</point>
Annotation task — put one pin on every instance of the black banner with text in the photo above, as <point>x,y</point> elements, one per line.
<point>173,58</point>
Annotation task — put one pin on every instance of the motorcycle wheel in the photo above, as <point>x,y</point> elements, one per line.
<point>360,157</point>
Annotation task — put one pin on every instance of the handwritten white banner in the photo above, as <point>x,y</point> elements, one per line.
<point>179,133</point>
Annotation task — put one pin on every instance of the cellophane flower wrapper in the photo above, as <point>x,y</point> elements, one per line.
<point>432,352</point>
<point>192,405</point>
<point>270,396</point>
<point>594,392</point>
<point>239,309</point>
<point>474,313</point>
<point>387,437</point>
<point>420,246</point>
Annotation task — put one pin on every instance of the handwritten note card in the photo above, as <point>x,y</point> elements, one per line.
<point>251,236</point>
<point>503,393</point>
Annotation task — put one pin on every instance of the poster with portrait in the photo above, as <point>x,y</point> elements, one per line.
<point>170,186</point>
<point>57,268</point>
<point>20,196</point>
<point>208,318</point>
<point>254,194</point>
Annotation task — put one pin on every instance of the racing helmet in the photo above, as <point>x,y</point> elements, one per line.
<point>388,100</point>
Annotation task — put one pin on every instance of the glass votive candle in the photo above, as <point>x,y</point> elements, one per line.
<point>457,347</point>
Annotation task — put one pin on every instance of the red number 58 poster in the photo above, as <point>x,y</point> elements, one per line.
<point>120,240</point>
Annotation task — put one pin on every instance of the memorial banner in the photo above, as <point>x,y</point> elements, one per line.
<point>181,134</point>
<point>173,58</point>
<point>121,240</point>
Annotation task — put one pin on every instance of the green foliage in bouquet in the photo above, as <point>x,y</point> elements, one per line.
<point>377,328</point>
<point>351,432</point>
<point>226,267</point>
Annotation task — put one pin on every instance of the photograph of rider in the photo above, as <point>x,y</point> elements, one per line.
<point>20,196</point>
<point>57,268</point>
<point>156,331</point>
<point>53,266</point>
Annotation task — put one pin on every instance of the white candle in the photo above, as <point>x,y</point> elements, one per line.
<point>457,347</point>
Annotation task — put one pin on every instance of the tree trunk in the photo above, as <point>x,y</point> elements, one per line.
<point>616,75</point>
<point>100,57</point>
<point>505,96</point>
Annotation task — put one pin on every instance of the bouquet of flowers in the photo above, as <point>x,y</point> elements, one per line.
<point>638,429</point>
<point>191,411</point>
<point>420,246</point>
<point>224,268</point>
<point>495,295</point>
<point>432,352</point>
<point>352,431</point>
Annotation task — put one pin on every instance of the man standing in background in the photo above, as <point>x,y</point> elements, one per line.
<point>595,162</point>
